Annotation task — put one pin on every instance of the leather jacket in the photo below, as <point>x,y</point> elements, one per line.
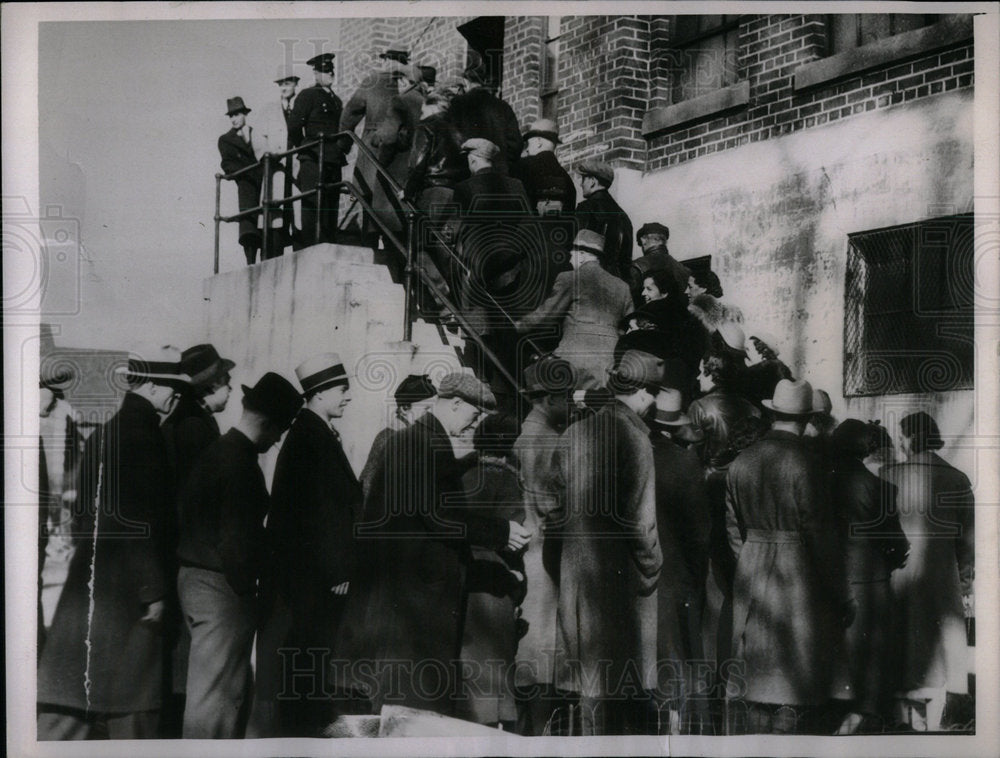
<point>436,159</point>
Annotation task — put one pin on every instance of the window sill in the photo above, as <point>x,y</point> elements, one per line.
<point>883,52</point>
<point>697,108</point>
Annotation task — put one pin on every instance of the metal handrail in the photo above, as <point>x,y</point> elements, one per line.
<point>269,203</point>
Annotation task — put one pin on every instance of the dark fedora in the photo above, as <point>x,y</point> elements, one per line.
<point>413,389</point>
<point>544,127</point>
<point>204,365</point>
<point>275,397</point>
<point>235,105</point>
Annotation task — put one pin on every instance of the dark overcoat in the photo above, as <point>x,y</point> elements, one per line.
<point>237,153</point>
<point>402,627</point>
<point>611,556</point>
<point>315,498</point>
<point>536,450</point>
<point>600,213</point>
<point>122,544</point>
<point>542,171</point>
<point>867,508</point>
<point>790,589</point>
<point>936,510</point>
<point>683,523</point>
<point>188,431</point>
<point>479,114</point>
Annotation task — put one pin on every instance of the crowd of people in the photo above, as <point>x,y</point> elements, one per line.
<point>661,530</point>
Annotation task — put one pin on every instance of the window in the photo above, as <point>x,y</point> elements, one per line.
<point>704,55</point>
<point>847,31</point>
<point>550,69</point>
<point>908,317</point>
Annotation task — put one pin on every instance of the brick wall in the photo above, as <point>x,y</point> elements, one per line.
<point>524,40</point>
<point>770,50</point>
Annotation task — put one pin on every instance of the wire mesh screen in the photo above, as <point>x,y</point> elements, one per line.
<point>908,317</point>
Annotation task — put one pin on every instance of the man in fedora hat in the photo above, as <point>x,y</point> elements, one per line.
<point>791,601</point>
<point>317,112</point>
<point>611,556</point>
<point>272,130</point>
<point>588,303</point>
<point>539,169</point>
<point>683,525</point>
<point>550,382</point>
<point>189,430</point>
<point>599,212</point>
<point>222,554</point>
<point>404,609</point>
<point>315,499</point>
<point>102,666</point>
<point>237,150</point>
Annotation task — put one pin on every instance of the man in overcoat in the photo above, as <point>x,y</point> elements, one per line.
<point>317,111</point>
<point>599,212</point>
<point>589,303</point>
<point>222,556</point>
<point>237,150</point>
<point>611,556</point>
<point>401,633</point>
<point>272,131</point>
<point>478,113</point>
<point>315,499</point>
<point>791,601</point>
<point>539,168</point>
<point>550,381</point>
<point>103,666</point>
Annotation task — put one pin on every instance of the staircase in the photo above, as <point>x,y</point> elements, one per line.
<point>271,316</point>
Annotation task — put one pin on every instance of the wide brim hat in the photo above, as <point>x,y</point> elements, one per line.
<point>204,364</point>
<point>793,398</point>
<point>467,387</point>
<point>320,372</point>
<point>275,397</point>
<point>734,337</point>
<point>669,411</point>
<point>157,365</point>
<point>544,127</point>
<point>236,105</point>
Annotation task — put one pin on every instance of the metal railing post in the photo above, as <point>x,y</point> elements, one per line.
<point>408,277</point>
<point>319,190</point>
<point>218,219</point>
<point>265,235</point>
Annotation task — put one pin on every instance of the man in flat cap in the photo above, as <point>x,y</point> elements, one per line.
<point>493,208</point>
<point>600,213</point>
<point>315,499</point>
<point>479,114</point>
<point>404,611</point>
<point>588,303</point>
<point>222,554</point>
<point>611,555</point>
<point>102,666</point>
<point>317,111</point>
<point>652,238</point>
<point>237,150</point>
<point>272,129</point>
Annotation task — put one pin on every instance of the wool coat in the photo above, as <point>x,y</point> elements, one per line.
<point>936,510</point>
<point>611,556</point>
<point>479,114</point>
<point>403,620</point>
<point>125,550</point>
<point>875,544</point>
<point>790,589</point>
<point>543,171</point>
<point>237,153</point>
<point>536,448</point>
<point>590,303</point>
<point>600,213</point>
<point>493,591</point>
<point>188,431</point>
<point>315,499</point>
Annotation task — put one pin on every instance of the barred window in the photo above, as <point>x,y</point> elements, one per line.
<point>908,316</point>
<point>704,56</point>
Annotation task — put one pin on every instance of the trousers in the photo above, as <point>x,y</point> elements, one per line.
<point>219,679</point>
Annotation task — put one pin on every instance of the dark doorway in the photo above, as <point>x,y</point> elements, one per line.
<point>485,37</point>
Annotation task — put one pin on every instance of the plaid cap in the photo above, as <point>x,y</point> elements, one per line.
<point>597,169</point>
<point>468,388</point>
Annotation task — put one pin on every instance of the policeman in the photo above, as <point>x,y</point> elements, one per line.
<point>317,111</point>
